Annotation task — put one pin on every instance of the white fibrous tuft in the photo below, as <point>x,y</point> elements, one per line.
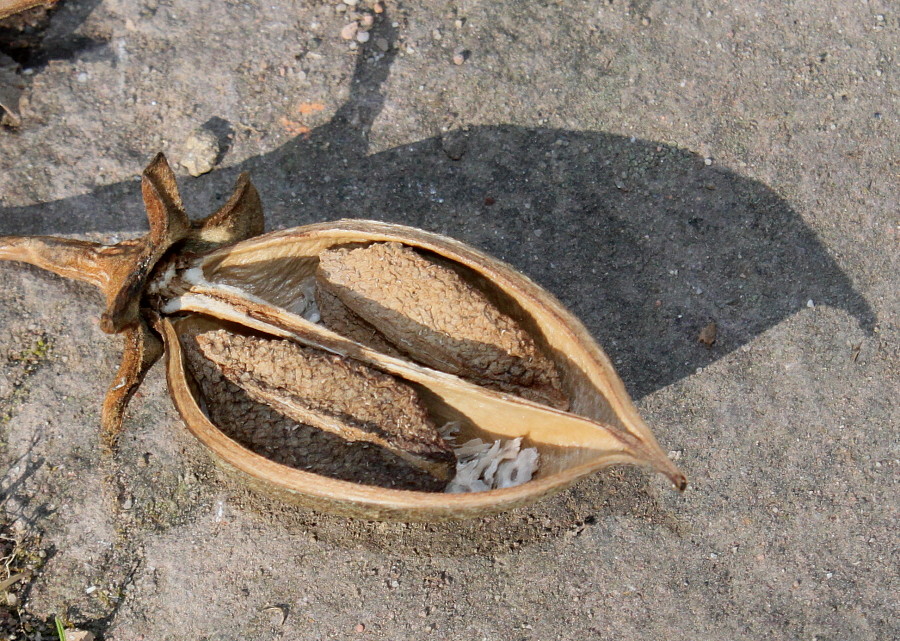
<point>484,466</point>
<point>195,276</point>
<point>160,285</point>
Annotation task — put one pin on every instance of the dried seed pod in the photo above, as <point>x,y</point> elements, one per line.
<point>182,273</point>
<point>333,393</point>
<point>432,314</point>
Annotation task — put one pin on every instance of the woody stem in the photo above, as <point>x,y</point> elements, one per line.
<point>76,259</point>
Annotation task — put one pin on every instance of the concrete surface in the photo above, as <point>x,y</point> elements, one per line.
<point>656,165</point>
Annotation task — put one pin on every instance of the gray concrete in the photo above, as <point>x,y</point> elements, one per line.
<point>656,165</point>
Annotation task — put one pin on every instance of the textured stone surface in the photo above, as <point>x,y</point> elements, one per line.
<point>583,127</point>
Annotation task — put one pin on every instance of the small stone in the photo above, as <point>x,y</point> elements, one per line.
<point>382,44</point>
<point>378,8</point>
<point>351,3</point>
<point>810,303</point>
<point>362,37</point>
<point>707,161</point>
<point>201,152</point>
<point>360,627</point>
<point>349,31</point>
<point>367,21</point>
<point>436,34</point>
<point>128,503</point>
<point>11,600</point>
<point>79,635</point>
<point>460,57</point>
<point>82,77</point>
<point>454,143</point>
<point>708,335</point>
<point>645,21</point>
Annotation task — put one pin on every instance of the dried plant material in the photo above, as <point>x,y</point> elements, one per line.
<point>11,87</point>
<point>280,438</point>
<point>122,271</point>
<point>708,335</point>
<point>171,282</point>
<point>485,466</point>
<point>429,312</point>
<point>12,7</point>
<point>338,317</point>
<point>333,393</point>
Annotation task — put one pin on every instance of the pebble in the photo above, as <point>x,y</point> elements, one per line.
<point>82,77</point>
<point>645,21</point>
<point>351,3</point>
<point>810,303</point>
<point>454,143</point>
<point>707,161</point>
<point>382,44</point>
<point>349,31</point>
<point>460,57</point>
<point>360,627</point>
<point>362,37</point>
<point>200,152</point>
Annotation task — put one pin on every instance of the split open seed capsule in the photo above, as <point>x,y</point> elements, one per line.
<point>453,337</point>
